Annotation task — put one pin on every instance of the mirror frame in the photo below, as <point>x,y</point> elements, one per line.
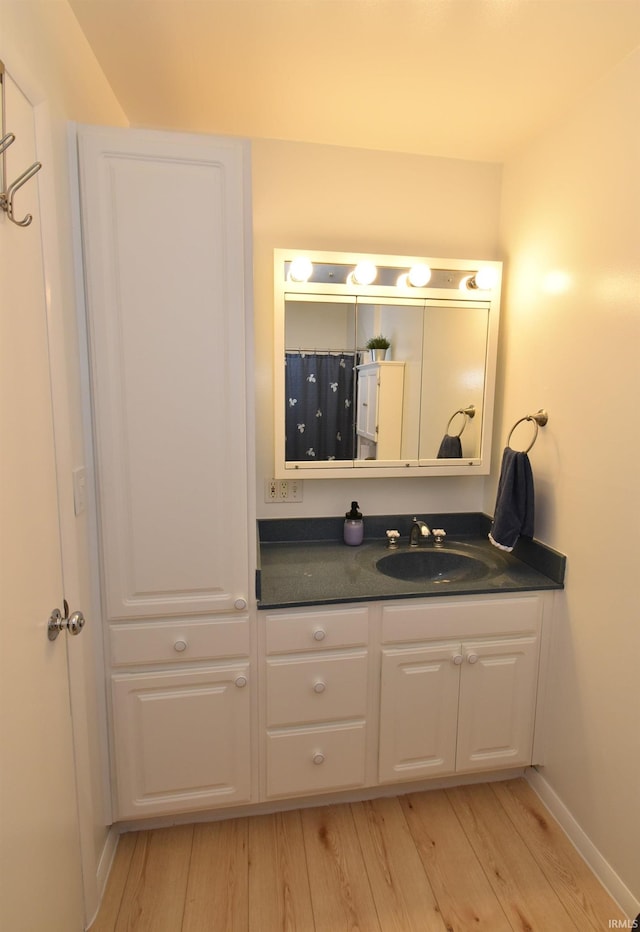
<point>448,275</point>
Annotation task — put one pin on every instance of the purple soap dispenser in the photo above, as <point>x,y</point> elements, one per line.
<point>353,526</point>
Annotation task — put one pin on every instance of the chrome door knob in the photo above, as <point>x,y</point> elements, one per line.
<point>58,622</point>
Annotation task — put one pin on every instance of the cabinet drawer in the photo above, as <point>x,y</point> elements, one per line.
<point>460,618</point>
<point>178,642</point>
<point>296,631</point>
<point>315,760</point>
<point>317,688</point>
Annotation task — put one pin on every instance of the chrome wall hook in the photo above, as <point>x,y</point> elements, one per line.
<point>8,192</point>
<point>6,198</point>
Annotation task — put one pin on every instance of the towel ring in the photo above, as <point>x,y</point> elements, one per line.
<point>468,412</point>
<point>539,419</point>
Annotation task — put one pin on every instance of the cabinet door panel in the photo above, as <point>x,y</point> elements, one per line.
<point>182,740</point>
<point>418,712</point>
<point>497,702</point>
<point>163,241</point>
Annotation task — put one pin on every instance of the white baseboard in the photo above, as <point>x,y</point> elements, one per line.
<point>625,899</point>
<point>104,866</point>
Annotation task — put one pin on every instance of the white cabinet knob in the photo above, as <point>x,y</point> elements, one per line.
<point>472,658</point>
<point>240,604</point>
<point>457,659</point>
<point>319,686</point>
<point>318,758</point>
<point>179,646</point>
<point>240,681</point>
<point>319,634</point>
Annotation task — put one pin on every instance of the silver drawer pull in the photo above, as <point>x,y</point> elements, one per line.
<point>318,758</point>
<point>319,634</point>
<point>319,686</point>
<point>472,658</point>
<point>240,681</point>
<point>240,604</point>
<point>179,646</point>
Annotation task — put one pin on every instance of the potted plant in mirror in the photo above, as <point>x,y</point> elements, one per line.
<point>378,347</point>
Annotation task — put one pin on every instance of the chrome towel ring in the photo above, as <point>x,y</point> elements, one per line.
<point>539,419</point>
<point>468,413</point>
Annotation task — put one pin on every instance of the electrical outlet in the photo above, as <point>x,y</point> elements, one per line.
<point>283,490</point>
<point>271,490</point>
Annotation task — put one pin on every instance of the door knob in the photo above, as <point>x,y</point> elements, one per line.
<point>58,622</point>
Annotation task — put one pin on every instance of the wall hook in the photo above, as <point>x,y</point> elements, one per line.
<point>6,198</point>
<point>8,191</point>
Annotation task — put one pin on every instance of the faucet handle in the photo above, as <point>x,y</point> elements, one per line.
<point>439,535</point>
<point>392,539</point>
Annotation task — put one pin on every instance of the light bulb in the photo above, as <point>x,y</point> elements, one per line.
<point>419,275</point>
<point>486,278</point>
<point>300,269</point>
<point>364,273</point>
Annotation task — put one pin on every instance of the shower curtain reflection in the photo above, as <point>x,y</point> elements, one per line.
<point>319,409</point>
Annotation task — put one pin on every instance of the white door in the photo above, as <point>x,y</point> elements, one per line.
<point>40,875</point>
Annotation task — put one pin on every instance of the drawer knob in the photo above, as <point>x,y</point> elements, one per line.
<point>319,634</point>
<point>240,604</point>
<point>319,686</point>
<point>179,646</point>
<point>457,659</point>
<point>318,758</point>
<point>240,681</point>
<point>472,658</point>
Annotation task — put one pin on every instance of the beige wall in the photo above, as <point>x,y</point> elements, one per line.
<point>46,54</point>
<point>308,196</point>
<point>571,205</point>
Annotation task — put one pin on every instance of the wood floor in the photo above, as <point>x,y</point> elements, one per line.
<point>483,857</point>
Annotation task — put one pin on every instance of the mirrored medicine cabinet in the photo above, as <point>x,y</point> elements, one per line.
<point>423,404</point>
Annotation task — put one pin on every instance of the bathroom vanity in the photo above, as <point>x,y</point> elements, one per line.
<point>404,680</point>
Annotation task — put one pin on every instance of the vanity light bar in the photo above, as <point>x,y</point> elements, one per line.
<point>301,270</point>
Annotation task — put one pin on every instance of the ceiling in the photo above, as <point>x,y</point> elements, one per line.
<point>469,79</point>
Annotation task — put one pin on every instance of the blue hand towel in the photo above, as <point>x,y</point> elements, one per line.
<point>450,448</point>
<point>513,514</point>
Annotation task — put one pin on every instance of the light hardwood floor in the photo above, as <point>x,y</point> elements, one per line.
<point>482,857</point>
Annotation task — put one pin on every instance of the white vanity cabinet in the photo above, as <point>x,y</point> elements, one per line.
<point>166,225</point>
<point>316,700</point>
<point>165,222</point>
<point>458,686</point>
<point>380,407</point>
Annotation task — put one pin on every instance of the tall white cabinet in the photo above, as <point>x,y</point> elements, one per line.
<point>166,223</point>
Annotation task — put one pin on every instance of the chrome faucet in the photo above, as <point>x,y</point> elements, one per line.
<point>419,531</point>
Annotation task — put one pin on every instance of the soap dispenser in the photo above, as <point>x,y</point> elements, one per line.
<point>353,526</point>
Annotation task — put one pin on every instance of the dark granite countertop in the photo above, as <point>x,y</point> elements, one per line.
<point>304,562</point>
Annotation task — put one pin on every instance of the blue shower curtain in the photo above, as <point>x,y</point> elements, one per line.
<point>319,403</point>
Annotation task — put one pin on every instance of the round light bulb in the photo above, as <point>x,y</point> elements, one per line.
<point>486,278</point>
<point>419,275</point>
<point>300,269</point>
<point>365,273</point>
